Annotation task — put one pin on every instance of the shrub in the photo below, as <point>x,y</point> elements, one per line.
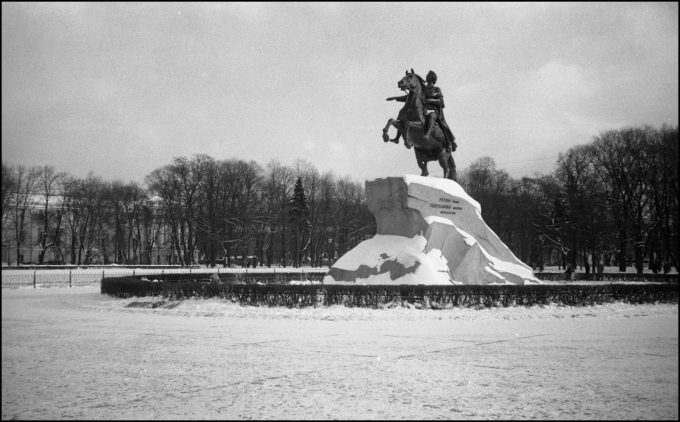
<point>282,294</point>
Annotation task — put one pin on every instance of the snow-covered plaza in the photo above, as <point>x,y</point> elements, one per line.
<point>72,353</point>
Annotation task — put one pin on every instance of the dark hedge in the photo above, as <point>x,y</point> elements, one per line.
<point>579,276</point>
<point>435,297</point>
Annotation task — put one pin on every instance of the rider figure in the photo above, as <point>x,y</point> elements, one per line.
<point>434,103</point>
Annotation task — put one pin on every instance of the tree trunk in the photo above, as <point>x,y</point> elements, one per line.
<point>621,254</point>
<point>283,237</point>
<point>639,253</point>
<point>41,255</point>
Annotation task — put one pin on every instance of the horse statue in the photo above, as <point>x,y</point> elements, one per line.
<point>410,124</point>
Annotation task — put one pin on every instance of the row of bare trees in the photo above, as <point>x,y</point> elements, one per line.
<point>75,220</point>
<point>192,209</point>
<point>613,201</point>
<point>228,208</point>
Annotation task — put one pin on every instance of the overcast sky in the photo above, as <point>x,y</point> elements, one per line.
<point>121,88</point>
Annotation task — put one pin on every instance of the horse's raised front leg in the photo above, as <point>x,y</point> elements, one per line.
<point>386,137</point>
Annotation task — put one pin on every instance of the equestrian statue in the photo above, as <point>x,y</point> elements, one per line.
<point>422,125</point>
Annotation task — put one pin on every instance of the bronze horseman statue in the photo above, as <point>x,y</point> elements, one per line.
<point>421,123</point>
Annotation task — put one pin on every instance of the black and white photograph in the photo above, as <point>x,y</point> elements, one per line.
<point>340,210</point>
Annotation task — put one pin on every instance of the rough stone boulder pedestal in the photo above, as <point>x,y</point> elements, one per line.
<point>429,231</point>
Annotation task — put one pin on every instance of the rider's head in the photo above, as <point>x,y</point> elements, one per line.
<point>431,77</point>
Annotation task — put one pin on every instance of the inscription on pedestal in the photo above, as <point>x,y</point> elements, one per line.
<point>444,206</point>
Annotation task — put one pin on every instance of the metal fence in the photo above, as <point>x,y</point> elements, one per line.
<point>73,277</point>
<point>93,276</point>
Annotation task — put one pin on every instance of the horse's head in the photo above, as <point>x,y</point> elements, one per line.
<point>411,82</point>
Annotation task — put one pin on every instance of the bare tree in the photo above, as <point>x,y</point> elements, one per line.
<point>490,187</point>
<point>279,187</point>
<point>619,159</point>
<point>208,225</point>
<point>150,225</point>
<point>326,230</point>
<point>163,184</point>
<point>89,206</point>
<point>50,188</point>
<point>353,222</point>
<point>9,181</point>
<point>309,175</point>
<point>24,187</point>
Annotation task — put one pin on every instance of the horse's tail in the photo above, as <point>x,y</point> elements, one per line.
<point>452,167</point>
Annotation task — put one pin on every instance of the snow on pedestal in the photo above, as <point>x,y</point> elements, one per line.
<point>429,231</point>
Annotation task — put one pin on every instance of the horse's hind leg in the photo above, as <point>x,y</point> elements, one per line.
<point>449,173</point>
<point>422,163</point>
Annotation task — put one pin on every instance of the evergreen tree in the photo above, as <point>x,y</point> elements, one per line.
<point>298,213</point>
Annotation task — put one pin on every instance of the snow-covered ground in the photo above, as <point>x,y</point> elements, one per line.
<point>75,354</point>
